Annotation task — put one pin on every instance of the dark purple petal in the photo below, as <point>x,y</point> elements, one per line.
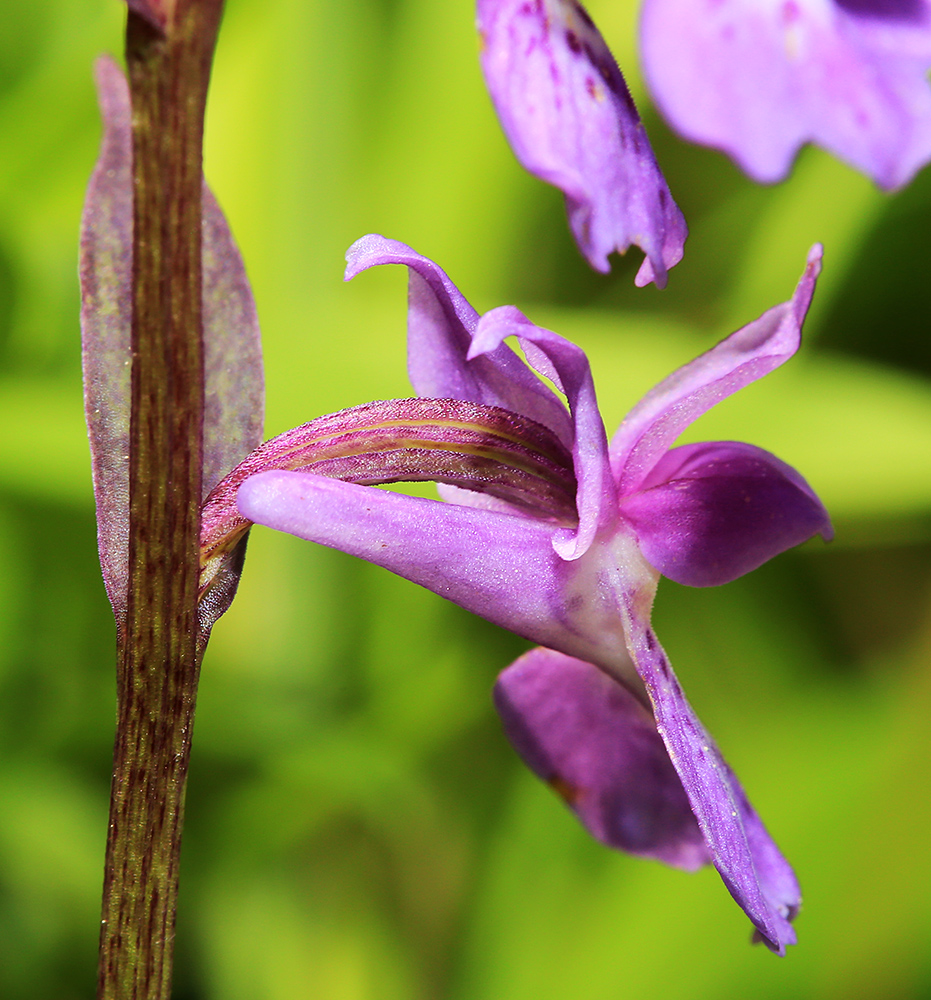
<point>759,80</point>
<point>441,324</point>
<point>567,367</point>
<point>651,427</point>
<point>106,318</point>
<point>751,865</point>
<point>570,120</point>
<point>709,513</point>
<point>597,745</point>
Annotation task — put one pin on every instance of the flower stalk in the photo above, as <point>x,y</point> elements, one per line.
<point>168,53</point>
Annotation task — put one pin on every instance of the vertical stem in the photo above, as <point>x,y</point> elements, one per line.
<point>159,649</point>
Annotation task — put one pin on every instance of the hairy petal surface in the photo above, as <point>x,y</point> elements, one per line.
<point>708,513</point>
<point>597,745</point>
<point>758,80</point>
<point>570,120</point>
<point>651,427</point>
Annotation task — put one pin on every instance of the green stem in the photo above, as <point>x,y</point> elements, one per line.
<point>159,648</point>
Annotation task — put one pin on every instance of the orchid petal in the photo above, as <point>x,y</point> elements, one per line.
<point>441,324</point>
<point>759,80</point>
<point>650,428</point>
<point>570,120</point>
<point>597,745</point>
<point>567,366</point>
<point>709,513</point>
<point>500,566</point>
<point>496,565</point>
<point>751,865</point>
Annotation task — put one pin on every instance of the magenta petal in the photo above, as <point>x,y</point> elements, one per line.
<point>751,865</point>
<point>567,367</point>
<point>665,411</point>
<point>570,120</point>
<point>709,513</point>
<point>441,324</point>
<point>760,79</point>
<point>596,744</point>
<point>499,566</point>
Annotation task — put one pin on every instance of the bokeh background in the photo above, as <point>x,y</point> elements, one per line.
<point>358,828</point>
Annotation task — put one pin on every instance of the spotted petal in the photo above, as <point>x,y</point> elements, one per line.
<point>570,120</point>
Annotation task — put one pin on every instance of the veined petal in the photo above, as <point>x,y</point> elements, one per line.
<point>647,432</point>
<point>751,865</point>
<point>567,367</point>
<point>760,79</point>
<point>709,513</point>
<point>483,449</point>
<point>597,745</point>
<point>570,120</point>
<point>441,324</point>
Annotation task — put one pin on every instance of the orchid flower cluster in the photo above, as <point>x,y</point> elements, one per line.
<point>545,526</point>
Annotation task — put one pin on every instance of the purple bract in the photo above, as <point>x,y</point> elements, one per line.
<point>759,79</point>
<point>570,120</point>
<point>598,711</point>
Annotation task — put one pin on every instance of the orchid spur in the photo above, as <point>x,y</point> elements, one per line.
<point>597,710</point>
<point>570,119</point>
<point>758,80</point>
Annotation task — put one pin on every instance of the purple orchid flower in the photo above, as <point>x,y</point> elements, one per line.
<point>570,120</point>
<point>597,711</point>
<point>758,80</point>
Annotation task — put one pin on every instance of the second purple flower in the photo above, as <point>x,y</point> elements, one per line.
<point>569,117</point>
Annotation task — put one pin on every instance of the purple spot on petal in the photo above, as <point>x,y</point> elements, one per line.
<point>790,12</point>
<point>572,40</point>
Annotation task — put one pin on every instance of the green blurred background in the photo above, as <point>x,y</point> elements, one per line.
<point>358,828</point>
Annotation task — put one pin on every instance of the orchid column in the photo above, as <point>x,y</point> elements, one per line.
<point>154,248</point>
